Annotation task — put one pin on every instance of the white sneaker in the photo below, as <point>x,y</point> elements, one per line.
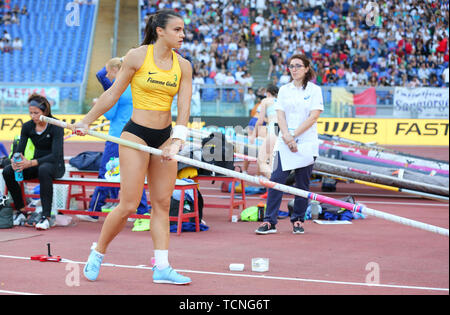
<point>86,218</point>
<point>19,219</point>
<point>43,224</point>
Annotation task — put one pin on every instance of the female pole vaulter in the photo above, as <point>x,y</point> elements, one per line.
<point>156,74</point>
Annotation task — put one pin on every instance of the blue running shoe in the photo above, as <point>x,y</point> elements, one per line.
<point>169,275</point>
<point>92,267</point>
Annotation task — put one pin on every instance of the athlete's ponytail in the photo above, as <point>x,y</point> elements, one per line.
<point>159,19</point>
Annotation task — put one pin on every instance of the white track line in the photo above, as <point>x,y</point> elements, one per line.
<point>17,293</point>
<point>258,276</point>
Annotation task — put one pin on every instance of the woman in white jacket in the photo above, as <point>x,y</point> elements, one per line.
<point>299,104</point>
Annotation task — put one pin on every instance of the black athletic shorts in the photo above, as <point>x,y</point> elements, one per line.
<point>153,137</point>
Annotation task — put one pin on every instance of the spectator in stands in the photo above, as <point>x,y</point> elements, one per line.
<point>285,78</point>
<point>362,78</point>
<point>445,76</point>
<point>118,116</point>
<point>415,82</point>
<point>47,164</point>
<point>434,81</point>
<point>15,18</point>
<point>258,45</point>
<point>400,37</point>
<point>220,29</point>
<point>24,10</point>
<point>351,77</point>
<point>220,77</point>
<point>238,74</point>
<point>17,44</point>
<point>7,18</point>
<point>247,79</point>
<point>423,72</point>
<point>260,6</point>
<point>230,92</point>
<point>6,36</point>
<point>150,125</point>
<point>232,63</point>
<point>384,81</point>
<point>5,45</point>
<point>373,81</point>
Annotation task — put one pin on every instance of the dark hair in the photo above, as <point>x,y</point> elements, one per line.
<point>40,102</point>
<point>158,19</point>
<point>272,89</point>
<point>311,74</point>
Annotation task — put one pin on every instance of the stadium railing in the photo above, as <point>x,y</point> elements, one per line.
<point>231,101</point>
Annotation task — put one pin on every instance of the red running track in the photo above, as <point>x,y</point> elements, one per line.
<point>327,259</point>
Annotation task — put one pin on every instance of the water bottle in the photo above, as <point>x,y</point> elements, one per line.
<point>315,209</point>
<point>109,165</point>
<point>116,162</point>
<point>18,174</point>
<point>260,212</point>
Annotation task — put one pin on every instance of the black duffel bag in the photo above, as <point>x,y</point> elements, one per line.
<point>87,161</point>
<point>6,213</point>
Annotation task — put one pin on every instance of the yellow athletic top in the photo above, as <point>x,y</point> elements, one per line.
<point>153,88</point>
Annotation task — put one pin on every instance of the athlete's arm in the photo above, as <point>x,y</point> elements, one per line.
<point>183,106</point>
<point>184,92</point>
<point>111,96</point>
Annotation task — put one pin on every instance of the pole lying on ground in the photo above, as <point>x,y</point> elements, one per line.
<point>442,189</point>
<point>262,182</point>
<point>382,186</point>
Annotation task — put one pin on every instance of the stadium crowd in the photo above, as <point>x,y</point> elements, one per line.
<point>394,43</point>
<point>9,16</point>
<point>217,37</point>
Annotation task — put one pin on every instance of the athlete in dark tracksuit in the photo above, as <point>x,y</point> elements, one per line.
<point>49,153</point>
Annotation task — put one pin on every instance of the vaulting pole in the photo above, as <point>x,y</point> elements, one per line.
<point>262,182</point>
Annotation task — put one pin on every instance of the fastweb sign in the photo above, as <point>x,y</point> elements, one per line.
<point>381,131</point>
<point>388,131</point>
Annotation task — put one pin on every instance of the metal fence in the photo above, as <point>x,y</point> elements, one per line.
<point>234,101</point>
<point>207,100</point>
<point>65,98</point>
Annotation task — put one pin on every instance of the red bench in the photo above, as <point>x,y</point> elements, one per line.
<point>234,203</point>
<point>86,182</point>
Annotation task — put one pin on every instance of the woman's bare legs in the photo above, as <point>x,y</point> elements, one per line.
<point>162,176</point>
<point>133,169</point>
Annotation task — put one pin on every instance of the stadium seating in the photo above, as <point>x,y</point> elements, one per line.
<point>53,52</point>
<point>316,19</point>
